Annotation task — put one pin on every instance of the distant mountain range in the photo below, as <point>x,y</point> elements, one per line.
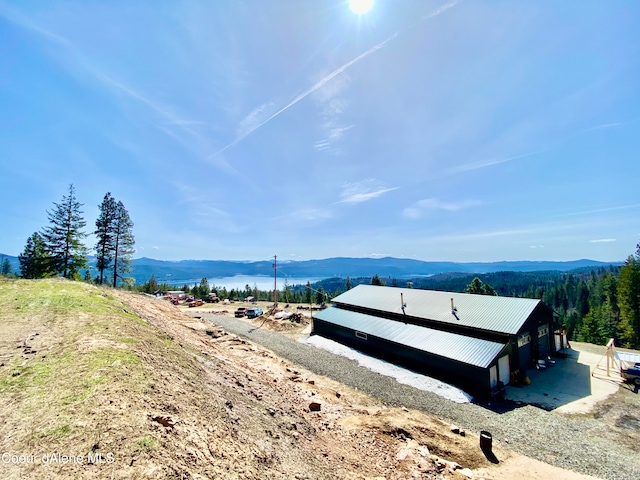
<point>338,267</point>
<point>188,270</point>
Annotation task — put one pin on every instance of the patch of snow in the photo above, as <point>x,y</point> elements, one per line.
<point>402,375</point>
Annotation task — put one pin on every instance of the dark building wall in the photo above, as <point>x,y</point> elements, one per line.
<point>470,378</point>
<point>539,347</point>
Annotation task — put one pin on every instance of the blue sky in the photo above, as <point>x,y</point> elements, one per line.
<point>462,131</point>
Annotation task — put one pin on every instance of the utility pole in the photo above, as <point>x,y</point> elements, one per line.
<point>275,282</point>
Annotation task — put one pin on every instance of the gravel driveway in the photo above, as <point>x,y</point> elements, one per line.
<point>580,443</point>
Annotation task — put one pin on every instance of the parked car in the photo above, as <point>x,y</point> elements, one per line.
<point>212,298</point>
<point>253,312</point>
<point>240,312</point>
<point>631,375</point>
<point>196,303</point>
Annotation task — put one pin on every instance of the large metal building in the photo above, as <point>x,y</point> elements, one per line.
<point>472,341</point>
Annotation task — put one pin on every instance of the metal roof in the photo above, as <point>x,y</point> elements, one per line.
<point>483,312</point>
<point>469,350</point>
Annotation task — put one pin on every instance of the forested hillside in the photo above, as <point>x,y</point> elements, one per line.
<point>594,304</point>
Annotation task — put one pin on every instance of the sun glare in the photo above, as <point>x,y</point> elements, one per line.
<point>360,6</point>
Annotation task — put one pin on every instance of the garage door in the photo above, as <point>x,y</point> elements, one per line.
<point>493,376</point>
<point>543,342</point>
<point>504,371</point>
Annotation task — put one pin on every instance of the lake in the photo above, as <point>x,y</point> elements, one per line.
<point>240,281</point>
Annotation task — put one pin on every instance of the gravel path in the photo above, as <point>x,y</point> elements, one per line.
<point>576,443</point>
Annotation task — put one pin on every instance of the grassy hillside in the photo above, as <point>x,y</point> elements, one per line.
<point>86,385</point>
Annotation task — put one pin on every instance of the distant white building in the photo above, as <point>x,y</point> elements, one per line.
<point>179,294</point>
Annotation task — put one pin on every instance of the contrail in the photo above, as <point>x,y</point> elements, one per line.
<point>473,166</point>
<point>328,78</point>
<point>306,93</point>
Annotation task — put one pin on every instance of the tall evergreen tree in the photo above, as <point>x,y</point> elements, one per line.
<point>475,286</point>
<point>287,291</point>
<point>629,301</point>
<point>478,287</point>
<point>104,232</point>
<point>307,292</point>
<point>595,325</point>
<point>87,276</point>
<point>123,242</point>
<point>151,285</point>
<point>34,261</point>
<point>320,296</point>
<point>5,268</point>
<point>204,289</point>
<point>63,237</point>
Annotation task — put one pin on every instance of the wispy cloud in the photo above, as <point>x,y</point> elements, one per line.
<point>181,129</point>
<point>326,79</point>
<point>203,210</point>
<point>194,139</point>
<point>27,24</point>
<point>306,93</point>
<point>255,118</point>
<point>334,135</point>
<point>309,215</point>
<point>536,246</point>
<point>599,210</point>
<point>417,209</point>
<point>603,126</point>
<point>603,240</point>
<point>363,191</point>
<point>332,106</point>
<point>488,163</point>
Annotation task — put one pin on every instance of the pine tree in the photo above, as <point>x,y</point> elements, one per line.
<point>594,328</point>
<point>5,268</point>
<point>488,290</point>
<point>123,242</point>
<point>63,237</point>
<point>204,289</point>
<point>87,276</point>
<point>475,286</point>
<point>287,291</point>
<point>151,286</point>
<point>320,296</point>
<point>307,292</point>
<point>34,261</point>
<point>478,287</point>
<point>629,301</point>
<point>105,234</point>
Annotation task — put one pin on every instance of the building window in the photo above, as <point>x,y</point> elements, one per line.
<point>542,331</point>
<point>361,335</point>
<point>524,339</point>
